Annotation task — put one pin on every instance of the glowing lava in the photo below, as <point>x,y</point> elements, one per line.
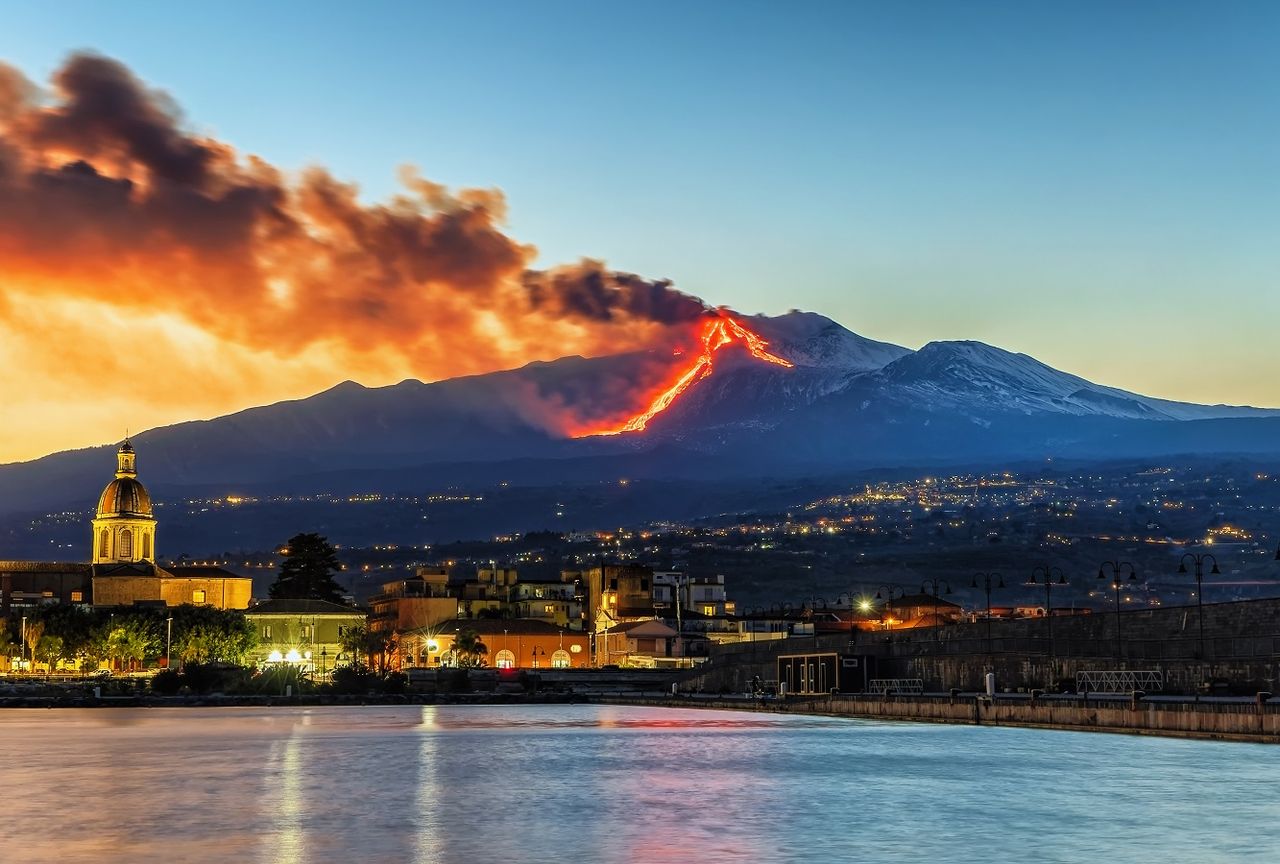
<point>716,334</point>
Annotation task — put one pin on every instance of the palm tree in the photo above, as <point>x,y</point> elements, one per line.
<point>468,650</point>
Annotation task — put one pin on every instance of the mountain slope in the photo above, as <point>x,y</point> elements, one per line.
<point>848,401</point>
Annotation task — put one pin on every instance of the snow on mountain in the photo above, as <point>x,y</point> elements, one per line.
<point>972,376</point>
<point>815,341</point>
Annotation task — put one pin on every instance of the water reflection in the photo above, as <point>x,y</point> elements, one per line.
<point>609,784</point>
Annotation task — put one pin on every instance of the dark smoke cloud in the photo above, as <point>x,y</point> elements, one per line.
<point>105,196</point>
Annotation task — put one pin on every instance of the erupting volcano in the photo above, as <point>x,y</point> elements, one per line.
<point>717,332</point>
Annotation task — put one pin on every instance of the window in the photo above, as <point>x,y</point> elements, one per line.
<point>126,544</point>
<point>266,631</point>
<point>708,610</point>
<point>104,543</point>
<point>549,608</point>
<point>197,596</point>
<point>560,659</point>
<point>146,546</point>
<point>505,659</point>
<point>77,596</point>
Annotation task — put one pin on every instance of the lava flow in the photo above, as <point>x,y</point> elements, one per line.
<point>716,334</point>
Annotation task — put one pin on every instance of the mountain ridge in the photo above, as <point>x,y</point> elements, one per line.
<point>848,400</point>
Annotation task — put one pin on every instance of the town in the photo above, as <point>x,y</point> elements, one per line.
<point>930,555</point>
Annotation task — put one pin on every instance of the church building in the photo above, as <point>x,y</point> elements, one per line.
<point>123,569</point>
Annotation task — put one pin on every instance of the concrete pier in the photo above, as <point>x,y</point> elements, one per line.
<point>1222,719</point>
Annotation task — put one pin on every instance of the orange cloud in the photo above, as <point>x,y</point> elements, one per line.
<point>209,280</point>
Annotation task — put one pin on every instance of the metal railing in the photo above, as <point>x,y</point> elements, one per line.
<point>1119,680</point>
<point>904,686</point>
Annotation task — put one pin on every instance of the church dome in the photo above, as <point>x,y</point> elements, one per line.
<point>124,496</point>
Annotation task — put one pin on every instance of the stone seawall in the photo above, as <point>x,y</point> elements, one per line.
<point>1234,721</point>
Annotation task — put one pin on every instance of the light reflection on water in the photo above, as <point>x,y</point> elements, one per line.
<point>611,784</point>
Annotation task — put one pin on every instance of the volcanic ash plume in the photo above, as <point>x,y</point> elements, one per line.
<point>113,212</point>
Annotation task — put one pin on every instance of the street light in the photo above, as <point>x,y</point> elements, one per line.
<point>885,592</point>
<point>927,587</point>
<point>324,661</point>
<point>1052,576</point>
<point>990,581</point>
<point>23,638</point>
<point>1118,569</point>
<point>1198,560</point>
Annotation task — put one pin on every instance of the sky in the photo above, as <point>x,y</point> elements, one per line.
<point>1094,184</point>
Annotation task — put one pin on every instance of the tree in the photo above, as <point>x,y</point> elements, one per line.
<point>9,647</point>
<point>35,629</point>
<point>49,650</point>
<point>468,651</point>
<point>202,634</point>
<point>130,641</point>
<point>372,645</point>
<point>306,573</point>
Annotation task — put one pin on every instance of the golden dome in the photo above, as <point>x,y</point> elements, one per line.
<point>124,496</point>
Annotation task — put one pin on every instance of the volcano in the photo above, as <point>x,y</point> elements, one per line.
<point>717,333</point>
<point>746,396</point>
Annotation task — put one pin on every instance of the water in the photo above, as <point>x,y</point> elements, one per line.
<point>612,784</point>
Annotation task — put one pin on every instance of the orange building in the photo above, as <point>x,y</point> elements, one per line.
<point>513,643</point>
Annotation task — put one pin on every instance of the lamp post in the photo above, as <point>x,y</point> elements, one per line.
<point>168,642</point>
<point>933,586</point>
<point>324,661</point>
<point>1118,569</point>
<point>885,592</point>
<point>536,653</point>
<point>22,664</point>
<point>990,581</point>
<point>1198,560</point>
<point>1052,576</point>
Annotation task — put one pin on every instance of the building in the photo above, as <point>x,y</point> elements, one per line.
<point>307,632</point>
<point>123,569</point>
<point>412,609</point>
<point>554,602</point>
<point>513,643</point>
<point>645,644</point>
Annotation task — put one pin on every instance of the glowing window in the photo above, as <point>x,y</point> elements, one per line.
<point>560,659</point>
<point>197,596</point>
<point>104,543</point>
<point>266,632</point>
<point>505,659</point>
<point>126,543</point>
<point>77,596</point>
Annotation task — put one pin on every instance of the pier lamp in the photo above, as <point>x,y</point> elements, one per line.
<point>988,582</point>
<point>537,652</point>
<point>1198,561</point>
<point>933,586</point>
<point>1049,577</point>
<point>885,593</point>
<point>1118,570</point>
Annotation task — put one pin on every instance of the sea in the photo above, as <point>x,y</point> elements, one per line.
<point>602,783</point>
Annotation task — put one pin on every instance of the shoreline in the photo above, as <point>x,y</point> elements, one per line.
<point>1242,722</point>
<point>1239,721</point>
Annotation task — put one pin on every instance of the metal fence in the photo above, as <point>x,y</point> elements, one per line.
<point>1119,680</point>
<point>904,686</point>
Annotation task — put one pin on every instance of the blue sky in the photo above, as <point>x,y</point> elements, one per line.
<point>1095,184</point>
